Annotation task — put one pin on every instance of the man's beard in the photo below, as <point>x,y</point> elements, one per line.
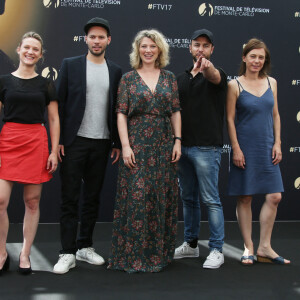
<point>97,53</point>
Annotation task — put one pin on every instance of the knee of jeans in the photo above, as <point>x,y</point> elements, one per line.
<point>189,201</point>
<point>212,202</point>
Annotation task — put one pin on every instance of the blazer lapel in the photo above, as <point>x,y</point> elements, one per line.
<point>110,72</point>
<point>83,76</point>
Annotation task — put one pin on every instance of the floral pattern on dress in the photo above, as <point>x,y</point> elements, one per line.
<point>145,215</point>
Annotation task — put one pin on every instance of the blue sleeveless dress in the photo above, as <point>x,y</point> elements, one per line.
<point>254,128</point>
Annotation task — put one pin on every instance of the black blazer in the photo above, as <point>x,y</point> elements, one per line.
<point>71,92</point>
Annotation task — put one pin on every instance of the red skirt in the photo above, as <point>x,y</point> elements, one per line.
<point>24,153</point>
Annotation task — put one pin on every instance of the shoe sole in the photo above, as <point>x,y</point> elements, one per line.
<point>190,256</point>
<point>186,256</point>
<point>60,272</point>
<point>83,259</point>
<point>213,267</point>
<point>277,261</point>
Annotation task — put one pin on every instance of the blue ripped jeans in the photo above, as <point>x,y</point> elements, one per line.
<point>198,172</point>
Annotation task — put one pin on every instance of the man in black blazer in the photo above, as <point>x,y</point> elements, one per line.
<point>87,91</point>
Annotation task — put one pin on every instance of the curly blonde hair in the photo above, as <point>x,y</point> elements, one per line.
<point>159,39</point>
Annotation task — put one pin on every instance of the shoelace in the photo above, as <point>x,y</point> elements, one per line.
<point>213,254</point>
<point>184,246</point>
<point>64,257</point>
<point>90,250</point>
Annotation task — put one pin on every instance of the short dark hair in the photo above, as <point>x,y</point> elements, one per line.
<point>255,43</point>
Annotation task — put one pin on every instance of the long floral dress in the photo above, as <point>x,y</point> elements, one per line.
<point>145,216</point>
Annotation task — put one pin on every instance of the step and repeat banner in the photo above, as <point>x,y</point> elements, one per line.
<point>233,23</point>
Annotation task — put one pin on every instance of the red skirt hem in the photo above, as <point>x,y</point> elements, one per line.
<point>24,153</point>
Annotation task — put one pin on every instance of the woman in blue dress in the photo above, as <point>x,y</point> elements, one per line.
<point>254,130</point>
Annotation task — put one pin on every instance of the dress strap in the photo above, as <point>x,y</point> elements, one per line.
<point>239,85</point>
<point>269,82</point>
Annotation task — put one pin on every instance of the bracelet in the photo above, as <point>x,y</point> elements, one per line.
<point>177,138</point>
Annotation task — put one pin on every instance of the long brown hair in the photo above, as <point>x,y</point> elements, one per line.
<point>256,44</point>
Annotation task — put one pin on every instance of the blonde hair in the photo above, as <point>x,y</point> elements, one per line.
<point>159,39</point>
<point>34,35</point>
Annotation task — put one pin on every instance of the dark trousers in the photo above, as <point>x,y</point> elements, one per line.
<point>84,165</point>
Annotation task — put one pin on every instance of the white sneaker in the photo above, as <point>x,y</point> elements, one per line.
<point>90,256</point>
<point>64,264</point>
<point>214,260</point>
<point>185,250</point>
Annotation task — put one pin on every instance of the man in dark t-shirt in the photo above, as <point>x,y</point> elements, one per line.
<point>202,93</point>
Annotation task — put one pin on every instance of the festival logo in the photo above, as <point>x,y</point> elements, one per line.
<point>80,3</point>
<point>49,3</point>
<point>50,73</point>
<point>297,183</point>
<point>206,9</point>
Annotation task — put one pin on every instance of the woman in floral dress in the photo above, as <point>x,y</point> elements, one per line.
<point>149,124</point>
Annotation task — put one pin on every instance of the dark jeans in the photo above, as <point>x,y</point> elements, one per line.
<point>84,164</point>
